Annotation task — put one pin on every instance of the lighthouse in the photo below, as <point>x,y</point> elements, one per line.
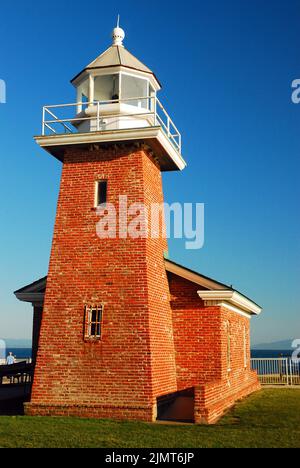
<point>119,330</point>
<point>107,314</point>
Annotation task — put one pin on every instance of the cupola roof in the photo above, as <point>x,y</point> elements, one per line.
<point>116,56</point>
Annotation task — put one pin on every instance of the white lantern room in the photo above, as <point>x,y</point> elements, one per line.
<point>117,89</point>
<point>116,101</point>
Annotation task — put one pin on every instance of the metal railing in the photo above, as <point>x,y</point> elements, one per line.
<point>17,360</point>
<point>20,373</point>
<point>152,113</point>
<point>277,371</point>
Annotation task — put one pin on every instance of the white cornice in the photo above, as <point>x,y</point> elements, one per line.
<point>113,70</point>
<point>232,299</point>
<point>131,134</point>
<point>98,137</point>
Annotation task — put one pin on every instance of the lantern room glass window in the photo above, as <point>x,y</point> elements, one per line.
<point>107,87</point>
<point>83,89</point>
<point>134,87</point>
<point>82,95</point>
<point>127,88</point>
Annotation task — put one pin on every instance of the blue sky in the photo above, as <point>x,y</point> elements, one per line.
<point>226,69</point>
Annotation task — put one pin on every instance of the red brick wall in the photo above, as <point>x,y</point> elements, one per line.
<point>201,343</point>
<point>126,370</point>
<point>197,335</point>
<point>237,325</point>
<point>160,312</point>
<point>213,399</point>
<point>237,380</point>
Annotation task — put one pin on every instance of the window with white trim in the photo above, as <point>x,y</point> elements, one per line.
<point>228,332</point>
<point>93,322</point>
<point>245,348</point>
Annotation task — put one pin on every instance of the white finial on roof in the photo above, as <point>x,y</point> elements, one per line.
<point>118,34</point>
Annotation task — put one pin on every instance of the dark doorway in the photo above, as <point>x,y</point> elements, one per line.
<point>177,407</point>
<point>12,399</point>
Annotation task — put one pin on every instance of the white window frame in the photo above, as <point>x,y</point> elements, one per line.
<point>139,77</point>
<point>88,322</point>
<point>107,74</point>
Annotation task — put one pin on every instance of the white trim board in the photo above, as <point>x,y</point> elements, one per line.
<point>230,299</point>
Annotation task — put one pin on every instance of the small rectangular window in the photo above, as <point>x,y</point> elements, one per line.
<point>101,192</point>
<point>93,322</point>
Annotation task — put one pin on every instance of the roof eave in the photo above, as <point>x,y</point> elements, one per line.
<point>194,276</point>
<point>35,286</point>
<point>231,298</point>
<point>34,298</point>
<point>216,291</point>
<point>87,69</point>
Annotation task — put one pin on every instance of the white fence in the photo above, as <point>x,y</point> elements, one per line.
<point>277,371</point>
<point>28,361</point>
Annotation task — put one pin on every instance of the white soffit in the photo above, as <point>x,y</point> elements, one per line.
<point>232,299</point>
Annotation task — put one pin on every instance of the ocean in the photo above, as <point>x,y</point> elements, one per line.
<point>24,353</point>
<point>20,353</point>
<point>271,353</point>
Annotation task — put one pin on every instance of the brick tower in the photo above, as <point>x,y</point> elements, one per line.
<point>107,314</point>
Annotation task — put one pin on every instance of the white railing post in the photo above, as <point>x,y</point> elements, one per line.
<point>43,123</point>
<point>79,101</point>
<point>91,90</point>
<point>291,372</point>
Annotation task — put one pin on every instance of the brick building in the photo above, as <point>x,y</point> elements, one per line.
<point>119,330</point>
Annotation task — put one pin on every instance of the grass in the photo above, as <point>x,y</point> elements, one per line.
<point>270,418</point>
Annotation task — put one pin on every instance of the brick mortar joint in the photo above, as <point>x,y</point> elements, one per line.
<point>34,405</point>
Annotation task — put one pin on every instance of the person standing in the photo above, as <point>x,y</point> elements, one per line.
<point>10,359</point>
